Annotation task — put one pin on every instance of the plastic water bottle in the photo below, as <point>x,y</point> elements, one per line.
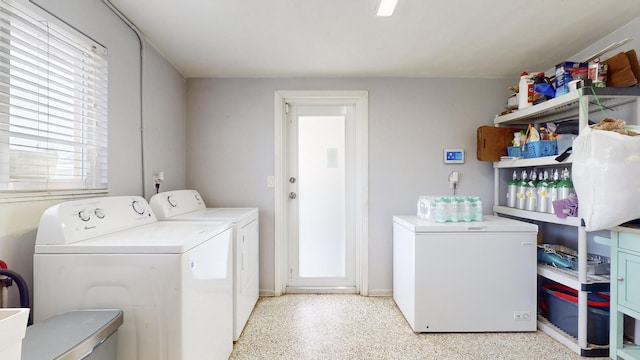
<point>441,210</point>
<point>476,206</point>
<point>467,213</point>
<point>460,207</point>
<point>452,204</point>
<point>512,188</point>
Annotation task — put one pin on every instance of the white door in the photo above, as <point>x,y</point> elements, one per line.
<point>320,160</point>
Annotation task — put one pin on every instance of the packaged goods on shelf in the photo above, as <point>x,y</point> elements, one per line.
<point>620,71</point>
<point>567,72</point>
<point>450,208</point>
<point>598,73</point>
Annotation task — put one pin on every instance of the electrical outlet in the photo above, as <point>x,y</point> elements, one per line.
<point>158,178</point>
<point>521,315</point>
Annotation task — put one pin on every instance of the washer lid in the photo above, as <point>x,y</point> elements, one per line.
<point>233,215</point>
<point>175,237</point>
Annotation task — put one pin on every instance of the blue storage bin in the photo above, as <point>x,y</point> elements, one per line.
<point>540,148</point>
<point>559,304</point>
<point>514,151</point>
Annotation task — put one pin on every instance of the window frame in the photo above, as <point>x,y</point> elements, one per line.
<point>46,185</point>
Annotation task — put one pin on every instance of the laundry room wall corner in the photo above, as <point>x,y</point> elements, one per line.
<point>165,103</point>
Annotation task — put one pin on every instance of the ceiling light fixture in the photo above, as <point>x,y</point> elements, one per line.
<point>386,7</point>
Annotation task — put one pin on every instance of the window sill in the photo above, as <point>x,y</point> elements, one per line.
<point>14,197</point>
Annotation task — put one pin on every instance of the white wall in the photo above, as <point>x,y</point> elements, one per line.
<point>230,149</point>
<point>164,125</point>
<point>230,144</point>
<point>631,30</point>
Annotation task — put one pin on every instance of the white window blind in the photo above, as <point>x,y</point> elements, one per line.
<point>53,106</point>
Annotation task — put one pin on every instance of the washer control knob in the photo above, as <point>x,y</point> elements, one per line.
<point>99,213</point>
<point>197,196</point>
<point>84,215</point>
<point>137,207</point>
<point>171,202</point>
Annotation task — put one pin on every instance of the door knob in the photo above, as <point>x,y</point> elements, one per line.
<point>620,278</point>
<point>292,195</point>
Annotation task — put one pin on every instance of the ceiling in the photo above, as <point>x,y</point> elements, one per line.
<point>338,38</point>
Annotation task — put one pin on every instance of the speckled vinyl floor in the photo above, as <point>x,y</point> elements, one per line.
<point>356,327</point>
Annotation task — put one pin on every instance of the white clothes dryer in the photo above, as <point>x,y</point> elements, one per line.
<point>187,205</point>
<point>111,252</point>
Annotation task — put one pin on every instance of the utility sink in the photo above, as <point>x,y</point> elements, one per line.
<point>13,325</point>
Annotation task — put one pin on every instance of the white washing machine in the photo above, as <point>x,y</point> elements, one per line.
<point>111,252</point>
<point>187,205</point>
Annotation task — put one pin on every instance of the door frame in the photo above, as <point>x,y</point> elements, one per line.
<point>361,101</point>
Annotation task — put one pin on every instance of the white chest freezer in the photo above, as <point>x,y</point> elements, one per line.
<point>465,277</point>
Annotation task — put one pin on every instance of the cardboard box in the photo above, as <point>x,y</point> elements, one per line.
<point>567,72</point>
<point>492,142</point>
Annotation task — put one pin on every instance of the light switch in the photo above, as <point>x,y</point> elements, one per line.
<point>271,181</point>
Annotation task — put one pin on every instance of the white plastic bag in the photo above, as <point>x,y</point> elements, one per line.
<point>606,177</point>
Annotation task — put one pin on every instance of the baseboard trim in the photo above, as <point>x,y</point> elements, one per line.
<point>380,292</point>
<point>271,293</point>
<point>316,290</point>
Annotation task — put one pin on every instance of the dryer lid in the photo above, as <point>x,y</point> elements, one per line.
<point>233,215</point>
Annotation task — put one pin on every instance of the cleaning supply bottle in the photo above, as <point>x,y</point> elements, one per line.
<point>525,91</point>
<point>565,186</point>
<point>531,192</point>
<point>543,187</point>
<point>552,192</point>
<point>521,192</point>
<point>512,188</point>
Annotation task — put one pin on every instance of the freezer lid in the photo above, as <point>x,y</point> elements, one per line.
<point>490,224</point>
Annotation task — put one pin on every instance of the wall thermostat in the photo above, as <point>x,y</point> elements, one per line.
<point>454,156</point>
